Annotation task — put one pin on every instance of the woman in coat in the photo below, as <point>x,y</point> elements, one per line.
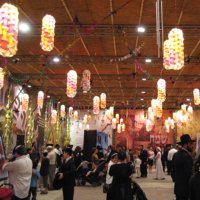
<point>159,168</point>
<point>121,184</point>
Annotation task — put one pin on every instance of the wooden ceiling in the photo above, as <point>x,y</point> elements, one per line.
<point>89,35</point>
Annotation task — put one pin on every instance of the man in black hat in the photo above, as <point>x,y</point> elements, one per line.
<point>182,168</point>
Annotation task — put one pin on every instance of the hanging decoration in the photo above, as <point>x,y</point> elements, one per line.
<point>121,120</point>
<point>96,102</point>
<point>150,114</point>
<point>40,99</point>
<point>196,95</point>
<point>8,30</point>
<point>70,111</point>
<point>119,128</point>
<point>86,81</point>
<point>1,78</point>
<point>53,116</point>
<point>123,127</point>
<point>108,116</point>
<point>103,100</point>
<point>159,109</point>
<point>111,111</point>
<point>117,118</point>
<point>87,127</point>
<point>161,86</point>
<point>71,83</point>
<point>169,124</point>
<point>24,102</point>
<point>75,115</point>
<point>153,105</point>
<point>149,125</point>
<point>174,50</point>
<point>114,123</point>
<point>62,111</point>
<point>48,33</point>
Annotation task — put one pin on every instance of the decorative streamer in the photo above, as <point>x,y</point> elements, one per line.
<point>62,111</point>
<point>40,99</point>
<point>48,33</point>
<point>86,81</point>
<point>71,83</point>
<point>161,86</point>
<point>96,102</point>
<point>196,94</point>
<point>8,30</point>
<point>103,100</point>
<point>24,102</point>
<point>1,78</point>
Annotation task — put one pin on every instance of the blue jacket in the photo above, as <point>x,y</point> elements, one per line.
<point>35,177</point>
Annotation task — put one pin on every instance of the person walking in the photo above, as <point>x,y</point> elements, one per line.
<point>67,173</point>
<point>159,168</point>
<point>121,185</point>
<point>182,164</point>
<point>20,173</point>
<point>144,158</point>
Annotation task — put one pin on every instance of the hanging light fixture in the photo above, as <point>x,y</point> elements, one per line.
<point>153,105</point>
<point>70,111</point>
<point>114,123</point>
<point>40,99</point>
<point>48,33</point>
<point>150,114</point>
<point>96,102</point>
<point>1,78</point>
<point>8,30</point>
<point>149,125</point>
<point>75,115</point>
<point>196,95</point>
<point>25,102</point>
<point>161,86</point>
<point>103,100</point>
<point>62,111</point>
<point>159,109</point>
<point>166,55</point>
<point>108,116</point>
<point>53,116</point>
<point>86,81</point>
<point>71,83</point>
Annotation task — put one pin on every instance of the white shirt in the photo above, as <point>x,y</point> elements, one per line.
<point>109,178</point>
<point>20,173</point>
<point>137,162</point>
<point>52,157</point>
<point>171,154</point>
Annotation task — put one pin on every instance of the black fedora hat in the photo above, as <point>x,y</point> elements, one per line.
<point>185,138</point>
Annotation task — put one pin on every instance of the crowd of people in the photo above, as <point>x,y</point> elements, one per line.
<point>64,168</point>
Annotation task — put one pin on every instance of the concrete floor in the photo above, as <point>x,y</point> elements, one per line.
<point>154,190</point>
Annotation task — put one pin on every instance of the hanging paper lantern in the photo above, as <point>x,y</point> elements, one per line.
<point>114,123</point>
<point>70,111</point>
<point>25,101</point>
<point>161,86</point>
<point>96,102</point>
<point>103,100</point>
<point>86,81</point>
<point>123,127</point>
<point>108,116</point>
<point>48,33</point>
<point>153,105</point>
<point>1,78</point>
<point>117,118</point>
<point>175,47</point>
<point>75,115</point>
<point>111,111</point>
<point>159,109</point>
<point>166,55</point>
<point>8,30</point>
<point>196,94</point>
<point>183,108</point>
<point>71,83</point>
<point>62,111</point>
<point>150,114</point>
<point>40,99</point>
<point>121,120</point>
<point>119,128</point>
<point>53,116</point>
<point>149,125</point>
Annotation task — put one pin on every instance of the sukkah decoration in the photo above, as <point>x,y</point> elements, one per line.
<point>151,114</point>
<point>1,78</point>
<point>86,81</point>
<point>40,99</point>
<point>174,50</point>
<point>119,128</point>
<point>169,124</point>
<point>161,87</point>
<point>184,108</point>
<point>75,115</point>
<point>25,102</point>
<point>159,109</point>
<point>70,112</point>
<point>153,105</point>
<point>103,100</point>
<point>108,116</point>
<point>117,118</point>
<point>62,111</point>
<point>196,95</point>
<point>71,83</point>
<point>123,127</point>
<point>53,116</point>
<point>114,123</point>
<point>8,30</point>
<point>48,33</point>
<point>96,102</point>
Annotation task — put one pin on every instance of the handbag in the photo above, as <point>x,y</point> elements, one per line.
<point>106,187</point>
<point>57,183</point>
<point>6,191</point>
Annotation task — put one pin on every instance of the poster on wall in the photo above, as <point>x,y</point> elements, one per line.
<point>3,174</point>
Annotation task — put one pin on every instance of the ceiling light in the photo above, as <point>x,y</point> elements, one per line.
<point>48,96</point>
<point>141,29</point>
<point>144,79</point>
<point>143,92</point>
<point>29,86</point>
<point>187,99</point>
<point>24,27</point>
<point>142,99</point>
<point>148,60</point>
<point>56,59</point>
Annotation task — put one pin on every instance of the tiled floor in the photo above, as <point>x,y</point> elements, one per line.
<point>154,189</point>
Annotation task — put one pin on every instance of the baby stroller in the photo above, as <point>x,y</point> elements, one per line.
<point>6,191</point>
<point>138,193</point>
<point>81,172</point>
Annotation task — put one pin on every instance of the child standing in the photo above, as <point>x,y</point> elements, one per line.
<point>34,180</point>
<point>137,163</point>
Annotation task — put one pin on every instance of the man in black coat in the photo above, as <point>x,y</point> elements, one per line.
<point>143,157</point>
<point>182,164</point>
<point>67,174</point>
